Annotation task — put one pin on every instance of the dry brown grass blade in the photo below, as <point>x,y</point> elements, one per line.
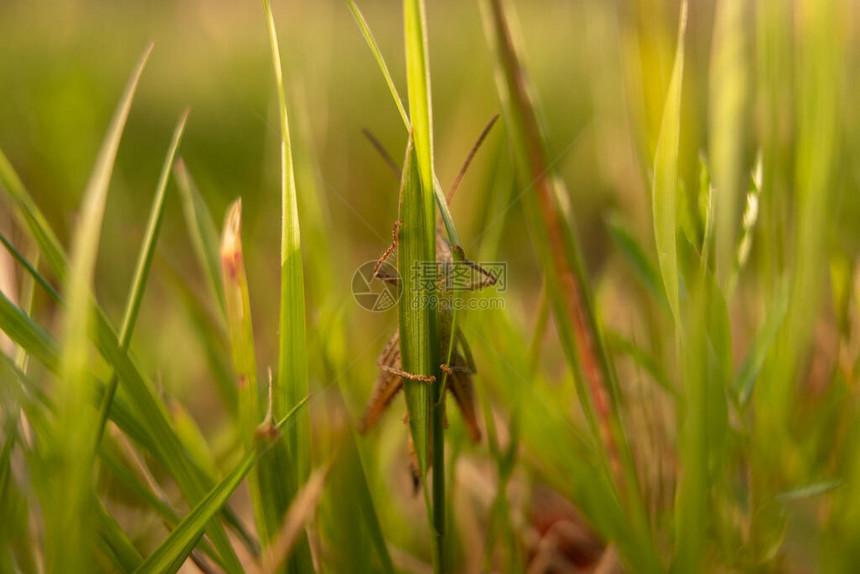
<point>304,505</point>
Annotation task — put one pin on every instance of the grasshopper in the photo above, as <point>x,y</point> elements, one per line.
<point>461,365</point>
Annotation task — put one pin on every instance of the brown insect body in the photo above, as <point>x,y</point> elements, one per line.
<point>459,370</point>
<point>460,367</point>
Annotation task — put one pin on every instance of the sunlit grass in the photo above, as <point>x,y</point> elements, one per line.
<point>668,387</point>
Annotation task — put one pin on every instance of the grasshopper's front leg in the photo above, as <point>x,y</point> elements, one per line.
<point>395,236</point>
<point>456,367</point>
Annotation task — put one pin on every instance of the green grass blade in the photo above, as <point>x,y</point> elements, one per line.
<point>419,329</point>
<point>148,409</point>
<point>565,455</point>
<point>209,332</point>
<point>30,217</point>
<point>33,338</point>
<point>292,377</point>
<point>141,272</point>
<point>16,543</point>
<point>692,513</point>
<point>170,450</point>
<point>114,542</point>
<point>75,428</point>
<point>621,345</point>
<point>28,334</point>
<point>748,373</point>
<point>642,265</point>
<point>665,183</point>
<point>819,78</point>
<point>418,87</point>
<point>377,54</point>
<point>415,343</point>
<point>39,344</point>
<point>239,323</point>
<point>171,553</point>
<point>727,126</point>
<point>241,330</point>
<point>418,50</point>
<point>551,222</point>
<point>202,230</point>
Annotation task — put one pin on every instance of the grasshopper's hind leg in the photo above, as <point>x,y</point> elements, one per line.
<point>405,375</point>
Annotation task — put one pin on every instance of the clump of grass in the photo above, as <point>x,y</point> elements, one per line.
<point>752,425</point>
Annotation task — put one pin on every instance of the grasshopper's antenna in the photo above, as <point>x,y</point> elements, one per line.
<point>386,157</point>
<point>471,156</point>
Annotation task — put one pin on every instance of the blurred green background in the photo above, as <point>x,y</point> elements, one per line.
<point>65,63</point>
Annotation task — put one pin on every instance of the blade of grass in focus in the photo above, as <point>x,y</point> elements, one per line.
<point>292,377</point>
<point>419,329</point>
<point>68,544</point>
<point>550,221</point>
<point>171,553</point>
<point>141,272</point>
<point>416,348</point>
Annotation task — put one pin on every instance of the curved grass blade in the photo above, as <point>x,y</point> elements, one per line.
<point>30,217</point>
<point>745,379</point>
<point>75,431</point>
<point>239,323</point>
<point>263,499</point>
<point>441,202</point>
<point>550,219</point>
<point>638,259</point>
<point>171,553</point>
<point>622,345</point>
<point>141,273</point>
<point>292,378</point>
<point>28,334</point>
<point>377,54</point>
<point>146,419</point>
<point>16,540</point>
<point>665,182</point>
<point>201,229</point>
<point>209,332</point>
<point>114,542</point>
